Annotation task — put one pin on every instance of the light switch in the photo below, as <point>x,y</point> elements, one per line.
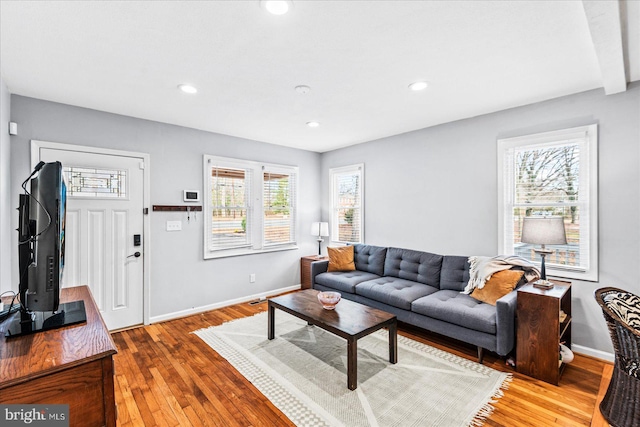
<point>174,225</point>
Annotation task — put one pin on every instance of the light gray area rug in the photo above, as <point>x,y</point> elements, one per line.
<point>303,371</point>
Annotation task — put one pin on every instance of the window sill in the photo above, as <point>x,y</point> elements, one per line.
<point>244,251</point>
<point>587,276</point>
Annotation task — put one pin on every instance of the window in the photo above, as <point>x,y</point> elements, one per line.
<point>96,183</point>
<point>230,195</point>
<point>249,207</point>
<point>552,174</point>
<point>278,195</point>
<point>347,216</point>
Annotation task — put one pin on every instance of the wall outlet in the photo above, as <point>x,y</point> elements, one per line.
<point>252,278</point>
<point>174,225</point>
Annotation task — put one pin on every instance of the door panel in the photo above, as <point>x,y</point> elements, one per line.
<point>120,277</point>
<point>104,211</point>
<point>72,249</point>
<point>95,256</point>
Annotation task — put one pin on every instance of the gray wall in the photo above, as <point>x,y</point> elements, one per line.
<point>436,189</point>
<point>180,277</point>
<point>5,182</point>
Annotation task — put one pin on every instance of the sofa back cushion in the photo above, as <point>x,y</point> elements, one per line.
<point>369,258</point>
<point>422,267</point>
<point>455,272</point>
<point>341,259</point>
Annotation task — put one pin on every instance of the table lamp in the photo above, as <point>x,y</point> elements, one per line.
<point>543,230</point>
<point>320,229</point>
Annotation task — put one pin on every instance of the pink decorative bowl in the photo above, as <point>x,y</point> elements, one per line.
<point>329,299</point>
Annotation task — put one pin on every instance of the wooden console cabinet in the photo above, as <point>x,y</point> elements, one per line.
<point>541,330</point>
<point>71,365</point>
<point>305,269</point>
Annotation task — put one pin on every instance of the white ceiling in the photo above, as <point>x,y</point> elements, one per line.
<point>358,57</point>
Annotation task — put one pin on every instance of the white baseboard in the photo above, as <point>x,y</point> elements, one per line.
<point>209,307</point>
<point>588,351</point>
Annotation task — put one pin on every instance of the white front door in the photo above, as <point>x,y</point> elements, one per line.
<point>105,201</point>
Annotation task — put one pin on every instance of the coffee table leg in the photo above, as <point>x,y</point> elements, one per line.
<point>393,342</point>
<point>271,324</point>
<point>352,363</point>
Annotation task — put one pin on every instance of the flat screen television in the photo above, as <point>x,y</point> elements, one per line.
<point>41,250</point>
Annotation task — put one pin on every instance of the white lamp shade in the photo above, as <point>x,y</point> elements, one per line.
<point>543,230</point>
<point>320,229</point>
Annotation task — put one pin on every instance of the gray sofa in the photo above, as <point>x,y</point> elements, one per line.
<point>424,290</point>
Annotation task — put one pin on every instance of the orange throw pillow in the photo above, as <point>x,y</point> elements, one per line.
<point>341,259</point>
<point>500,284</point>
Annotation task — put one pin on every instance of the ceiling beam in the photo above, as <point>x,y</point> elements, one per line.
<point>603,18</point>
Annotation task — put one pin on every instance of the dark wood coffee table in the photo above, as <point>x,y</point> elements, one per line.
<point>349,320</point>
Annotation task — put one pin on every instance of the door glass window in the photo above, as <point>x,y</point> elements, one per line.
<point>91,182</point>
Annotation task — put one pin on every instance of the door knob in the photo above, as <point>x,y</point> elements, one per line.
<point>137,254</point>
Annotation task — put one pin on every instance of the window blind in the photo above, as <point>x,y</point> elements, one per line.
<point>230,213</point>
<point>279,211</point>
<point>347,205</point>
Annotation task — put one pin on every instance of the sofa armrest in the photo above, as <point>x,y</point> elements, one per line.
<point>506,323</point>
<point>318,267</point>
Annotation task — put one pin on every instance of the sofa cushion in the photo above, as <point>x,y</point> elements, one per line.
<point>341,259</point>
<point>455,272</point>
<point>344,281</point>
<point>370,258</point>
<point>499,284</point>
<point>459,309</point>
<point>394,291</point>
<point>422,267</point>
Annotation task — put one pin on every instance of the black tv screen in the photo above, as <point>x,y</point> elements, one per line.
<point>47,212</point>
<point>41,248</point>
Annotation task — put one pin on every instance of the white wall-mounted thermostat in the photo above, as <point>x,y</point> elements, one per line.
<point>191,196</point>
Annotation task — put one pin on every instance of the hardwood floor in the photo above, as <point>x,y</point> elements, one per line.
<point>167,376</point>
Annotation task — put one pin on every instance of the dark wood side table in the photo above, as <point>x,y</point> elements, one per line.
<point>72,365</point>
<point>543,322</point>
<point>305,269</point>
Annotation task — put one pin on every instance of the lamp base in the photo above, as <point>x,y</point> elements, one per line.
<point>543,253</point>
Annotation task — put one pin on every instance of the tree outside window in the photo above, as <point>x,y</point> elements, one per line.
<point>546,185</point>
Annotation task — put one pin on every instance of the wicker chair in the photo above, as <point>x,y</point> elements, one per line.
<point>621,309</point>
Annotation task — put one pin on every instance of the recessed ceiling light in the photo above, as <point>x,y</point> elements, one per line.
<point>313,124</point>
<point>277,7</point>
<point>421,85</point>
<point>302,89</point>
<point>187,88</point>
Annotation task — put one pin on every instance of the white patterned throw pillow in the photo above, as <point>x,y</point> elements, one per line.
<point>626,306</point>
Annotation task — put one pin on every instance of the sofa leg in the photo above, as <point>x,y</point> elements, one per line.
<point>480,354</point>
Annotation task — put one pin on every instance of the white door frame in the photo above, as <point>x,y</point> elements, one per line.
<point>146,194</point>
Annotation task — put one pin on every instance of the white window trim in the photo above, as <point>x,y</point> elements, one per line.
<point>255,205</point>
<point>590,133</point>
<point>359,167</point>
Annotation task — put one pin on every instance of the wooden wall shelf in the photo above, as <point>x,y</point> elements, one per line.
<point>177,208</point>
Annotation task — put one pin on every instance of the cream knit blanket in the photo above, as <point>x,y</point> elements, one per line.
<point>483,267</point>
